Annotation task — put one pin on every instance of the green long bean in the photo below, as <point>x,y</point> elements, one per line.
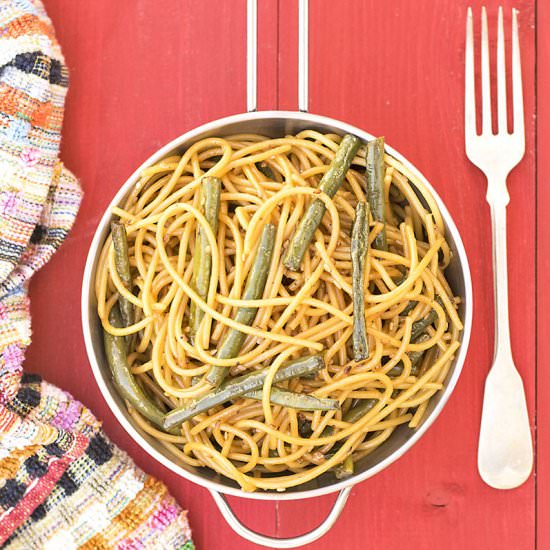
<point>359,249</point>
<point>414,356</point>
<point>122,264</point>
<point>344,470</point>
<point>418,335</point>
<point>419,327</point>
<point>293,400</point>
<point>254,289</point>
<point>240,385</point>
<point>265,169</point>
<point>360,409</point>
<point>375,188</point>
<point>209,200</point>
<point>126,384</point>
<point>329,184</point>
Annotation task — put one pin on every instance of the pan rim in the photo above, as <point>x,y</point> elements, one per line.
<point>107,392</point>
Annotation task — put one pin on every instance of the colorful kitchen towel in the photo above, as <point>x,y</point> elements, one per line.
<point>63,484</point>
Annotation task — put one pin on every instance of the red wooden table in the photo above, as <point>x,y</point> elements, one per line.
<point>145,71</point>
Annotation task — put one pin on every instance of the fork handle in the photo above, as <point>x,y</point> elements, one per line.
<point>498,198</point>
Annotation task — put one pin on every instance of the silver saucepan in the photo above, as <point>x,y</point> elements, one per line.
<point>274,124</point>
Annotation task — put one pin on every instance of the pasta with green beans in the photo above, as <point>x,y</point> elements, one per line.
<point>274,308</point>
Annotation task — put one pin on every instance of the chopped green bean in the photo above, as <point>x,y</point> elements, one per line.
<point>304,426</point>
<point>375,188</point>
<point>408,308</point>
<point>360,409</point>
<point>418,335</point>
<point>126,384</point>
<point>329,184</point>
<point>359,249</point>
<point>122,263</point>
<point>414,356</point>
<point>240,385</point>
<point>293,400</point>
<point>265,169</point>
<point>345,469</point>
<point>254,289</point>
<point>419,327</point>
<point>210,191</point>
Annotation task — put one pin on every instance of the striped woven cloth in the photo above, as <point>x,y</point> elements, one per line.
<point>63,484</point>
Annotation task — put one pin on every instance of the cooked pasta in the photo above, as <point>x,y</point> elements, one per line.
<point>254,326</point>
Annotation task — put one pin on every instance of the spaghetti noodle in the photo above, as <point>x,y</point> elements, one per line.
<point>178,325</point>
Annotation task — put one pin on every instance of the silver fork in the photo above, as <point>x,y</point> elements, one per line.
<point>505,453</point>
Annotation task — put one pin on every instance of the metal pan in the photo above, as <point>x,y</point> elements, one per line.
<point>275,124</point>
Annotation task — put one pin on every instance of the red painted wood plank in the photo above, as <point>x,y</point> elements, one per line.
<point>144,72</point>
<point>141,74</point>
<point>396,69</point>
<point>268,55</point>
<point>543,268</point>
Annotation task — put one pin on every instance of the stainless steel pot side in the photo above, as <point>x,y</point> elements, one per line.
<point>273,124</point>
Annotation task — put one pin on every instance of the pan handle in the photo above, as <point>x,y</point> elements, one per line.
<point>252,55</point>
<point>273,542</point>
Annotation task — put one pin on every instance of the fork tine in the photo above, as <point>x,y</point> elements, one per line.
<point>470,103</point>
<point>501,76</point>
<point>486,119</point>
<point>517,91</point>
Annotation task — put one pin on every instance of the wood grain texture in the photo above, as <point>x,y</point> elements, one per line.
<point>543,268</point>
<point>368,68</point>
<point>143,72</point>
